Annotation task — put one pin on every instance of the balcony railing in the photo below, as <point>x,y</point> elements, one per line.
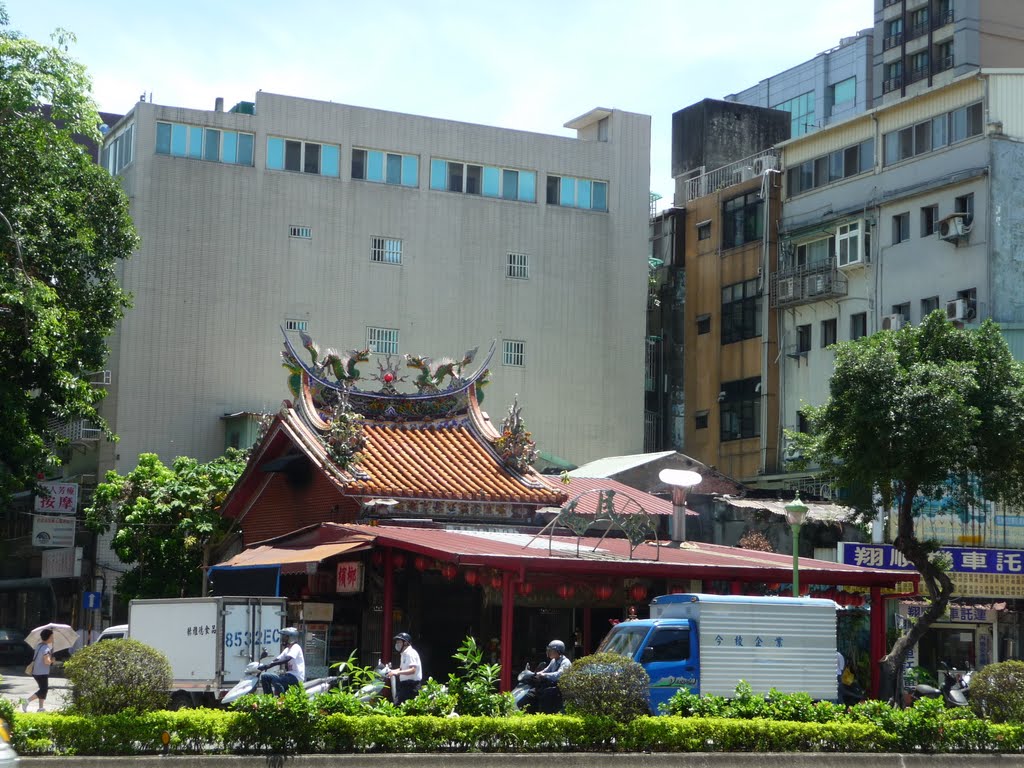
<point>652,431</point>
<point>707,182</point>
<point>944,63</point>
<point>892,41</point>
<point>77,431</point>
<point>942,18</point>
<point>887,3</point>
<point>920,73</point>
<point>918,29</point>
<point>892,84</point>
<point>807,284</point>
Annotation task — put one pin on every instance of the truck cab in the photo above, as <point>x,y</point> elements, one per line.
<point>667,650</point>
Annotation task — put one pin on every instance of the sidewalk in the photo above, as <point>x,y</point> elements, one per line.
<point>16,685</point>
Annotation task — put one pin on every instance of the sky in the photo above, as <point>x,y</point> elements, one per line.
<point>532,65</point>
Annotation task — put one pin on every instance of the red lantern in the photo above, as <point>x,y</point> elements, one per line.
<point>420,562</point>
<point>496,581</point>
<point>637,592</point>
<point>603,591</point>
<point>472,577</point>
<point>398,561</point>
<point>565,591</point>
<point>449,571</point>
<point>524,588</point>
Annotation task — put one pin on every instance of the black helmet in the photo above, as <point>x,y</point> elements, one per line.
<point>404,637</point>
<point>557,645</point>
<point>290,632</point>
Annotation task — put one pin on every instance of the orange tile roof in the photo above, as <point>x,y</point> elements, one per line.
<point>444,462</point>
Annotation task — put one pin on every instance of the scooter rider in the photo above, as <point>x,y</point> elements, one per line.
<point>410,669</point>
<point>293,660</point>
<point>549,697</point>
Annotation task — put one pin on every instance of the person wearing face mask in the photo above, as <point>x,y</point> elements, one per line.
<point>409,671</point>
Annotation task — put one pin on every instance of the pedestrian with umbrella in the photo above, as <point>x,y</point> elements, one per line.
<point>46,640</point>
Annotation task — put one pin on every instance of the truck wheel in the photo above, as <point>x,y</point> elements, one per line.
<point>181,700</point>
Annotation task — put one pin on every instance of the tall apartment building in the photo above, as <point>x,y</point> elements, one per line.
<point>373,229</point>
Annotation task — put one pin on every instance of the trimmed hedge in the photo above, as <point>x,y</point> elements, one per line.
<point>217,731</point>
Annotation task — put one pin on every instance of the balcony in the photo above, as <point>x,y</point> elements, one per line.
<point>942,18</point>
<point>892,41</point>
<point>892,84</point>
<point>793,286</point>
<point>77,432</point>
<point>943,63</point>
<point>918,30</point>
<point>703,183</point>
<point>920,73</point>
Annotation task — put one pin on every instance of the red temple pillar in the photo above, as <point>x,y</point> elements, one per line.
<point>507,610</point>
<point>737,588</point>
<point>877,642</point>
<point>388,607</point>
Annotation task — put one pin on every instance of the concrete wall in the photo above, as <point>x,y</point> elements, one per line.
<point>217,274</point>
<point>1007,231</point>
<point>713,133</point>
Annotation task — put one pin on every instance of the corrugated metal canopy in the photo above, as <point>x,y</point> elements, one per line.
<point>823,513</point>
<point>287,556</point>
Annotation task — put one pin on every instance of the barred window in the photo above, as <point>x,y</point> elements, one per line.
<point>383,341</point>
<point>295,325</point>
<point>303,233</point>
<point>386,250</point>
<point>514,353</point>
<point>518,266</point>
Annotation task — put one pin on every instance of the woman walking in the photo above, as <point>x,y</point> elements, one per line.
<point>41,662</point>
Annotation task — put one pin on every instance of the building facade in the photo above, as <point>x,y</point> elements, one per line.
<point>388,232</point>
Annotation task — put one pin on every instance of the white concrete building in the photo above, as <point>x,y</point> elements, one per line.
<point>368,228</point>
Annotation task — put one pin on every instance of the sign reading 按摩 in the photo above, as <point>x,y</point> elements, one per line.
<point>57,499</point>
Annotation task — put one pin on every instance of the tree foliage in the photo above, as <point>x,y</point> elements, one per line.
<point>64,226</point>
<point>921,413</point>
<point>167,521</point>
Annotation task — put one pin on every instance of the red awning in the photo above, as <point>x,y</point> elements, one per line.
<point>293,560</point>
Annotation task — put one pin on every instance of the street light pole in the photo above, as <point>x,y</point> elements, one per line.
<point>796,512</point>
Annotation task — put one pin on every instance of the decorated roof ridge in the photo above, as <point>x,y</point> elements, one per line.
<point>344,369</point>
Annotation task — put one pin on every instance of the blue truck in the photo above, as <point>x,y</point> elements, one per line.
<point>708,643</point>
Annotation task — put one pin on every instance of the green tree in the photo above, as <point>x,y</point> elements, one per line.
<point>167,521</point>
<point>64,226</point>
<point>915,414</point>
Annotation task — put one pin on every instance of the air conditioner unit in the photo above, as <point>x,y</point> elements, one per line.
<point>954,227</point>
<point>815,285</point>
<point>959,310</point>
<point>764,163</point>
<point>893,322</point>
<point>747,172</point>
<point>787,289</point>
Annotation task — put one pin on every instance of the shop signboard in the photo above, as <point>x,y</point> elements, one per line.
<point>53,530</point>
<point>57,499</point>
<point>62,563</point>
<point>349,578</point>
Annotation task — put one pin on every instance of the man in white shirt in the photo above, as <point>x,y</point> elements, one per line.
<point>293,661</point>
<point>410,670</point>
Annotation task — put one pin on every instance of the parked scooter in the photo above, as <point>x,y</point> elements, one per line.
<point>536,694</point>
<point>253,673</point>
<point>373,689</point>
<point>951,693</point>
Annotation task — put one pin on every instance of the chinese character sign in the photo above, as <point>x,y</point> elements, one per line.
<point>964,560</point>
<point>349,578</point>
<point>57,499</point>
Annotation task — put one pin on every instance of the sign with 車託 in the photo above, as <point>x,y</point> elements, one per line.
<point>57,499</point>
<point>53,531</point>
<point>962,559</point>
<point>350,578</point>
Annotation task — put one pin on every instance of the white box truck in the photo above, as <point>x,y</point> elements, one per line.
<point>208,640</point>
<point>708,643</point>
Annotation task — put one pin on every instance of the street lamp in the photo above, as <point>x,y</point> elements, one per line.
<point>796,512</point>
<point>680,480</point>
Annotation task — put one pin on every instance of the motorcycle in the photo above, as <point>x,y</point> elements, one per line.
<point>251,683</point>
<point>369,692</point>
<point>951,692</point>
<point>536,694</point>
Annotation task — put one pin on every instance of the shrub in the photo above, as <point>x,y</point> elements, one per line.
<point>997,692</point>
<point>606,684</point>
<point>284,725</point>
<point>109,677</point>
<point>475,690</point>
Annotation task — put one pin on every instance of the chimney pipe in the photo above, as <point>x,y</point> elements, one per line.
<point>218,104</point>
<point>677,528</point>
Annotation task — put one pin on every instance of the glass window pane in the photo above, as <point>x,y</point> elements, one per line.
<point>292,155</point>
<point>212,147</point>
<point>867,155</point>
<point>195,142</point>
<point>330,161</point>
<point>492,181</point>
<point>410,171</point>
<point>940,135</point>
<point>959,125</point>
<point>923,137</point>
<point>275,154</point>
<point>568,196</point>
<point>835,165</point>
<point>892,148</point>
<point>244,149</point>
<point>359,163</point>
<point>510,185</point>
<point>163,138</point>
<point>229,148</point>
<point>455,177</point>
<point>583,194</point>
<point>375,165</point>
<point>179,138</point>
<point>438,174</point>
<point>553,185</point>
<point>393,173</point>
<point>528,186</point>
<point>311,161</point>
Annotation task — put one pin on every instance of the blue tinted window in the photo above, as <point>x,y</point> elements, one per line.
<point>492,181</point>
<point>583,194</point>
<point>212,151</point>
<point>163,138</point>
<point>600,202</point>
<point>179,137</point>
<point>528,186</point>
<point>568,195</point>
<point>394,169</point>
<point>375,166</point>
<point>275,154</point>
<point>438,174</point>
<point>510,185</point>
<point>195,142</point>
<point>229,149</point>
<point>244,149</point>
<point>329,160</point>
<point>411,171</point>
